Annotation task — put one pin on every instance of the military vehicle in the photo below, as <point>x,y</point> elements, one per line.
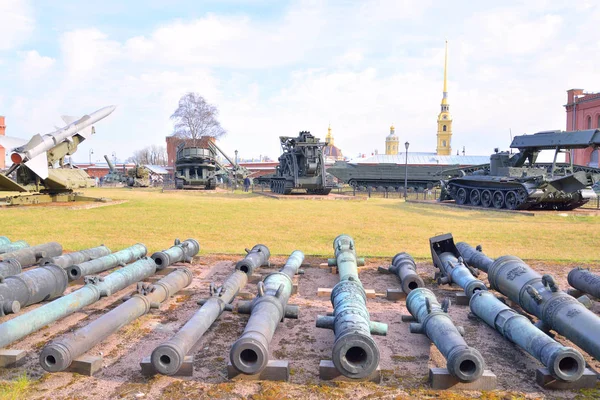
<point>236,173</point>
<point>138,176</point>
<point>517,181</point>
<point>113,175</point>
<point>34,172</point>
<point>389,171</point>
<point>301,166</point>
<point>195,168</point>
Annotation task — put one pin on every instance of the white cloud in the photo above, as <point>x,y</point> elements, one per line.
<point>34,65</point>
<point>16,23</point>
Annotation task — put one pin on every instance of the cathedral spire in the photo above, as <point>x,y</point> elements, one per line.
<point>445,96</point>
<point>444,132</point>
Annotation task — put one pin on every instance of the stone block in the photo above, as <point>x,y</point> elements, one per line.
<point>187,368</point>
<point>328,372</point>
<point>86,365</point>
<point>441,379</point>
<point>395,294</point>
<point>276,370</point>
<point>587,381</point>
<point>12,358</point>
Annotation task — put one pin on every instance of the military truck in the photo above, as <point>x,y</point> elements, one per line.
<point>195,168</point>
<point>301,166</point>
<point>518,181</point>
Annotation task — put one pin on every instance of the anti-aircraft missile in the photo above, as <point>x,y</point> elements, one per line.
<point>33,153</point>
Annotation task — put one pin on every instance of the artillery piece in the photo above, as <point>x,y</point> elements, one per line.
<point>113,175</point>
<point>195,168</point>
<point>518,181</point>
<point>301,166</point>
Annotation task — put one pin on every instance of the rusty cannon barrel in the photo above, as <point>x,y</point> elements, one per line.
<point>405,268</point>
<point>250,353</point>
<point>168,357</point>
<point>585,281</point>
<point>355,353</point>
<point>10,267</point>
<point>564,363</point>
<point>462,361</point>
<point>179,252</point>
<point>14,246</point>
<point>450,265</point>
<point>29,256</point>
<point>256,257</point>
<point>110,261</point>
<point>31,287</point>
<point>66,261</point>
<point>59,354</point>
<point>540,296</point>
<point>95,288</point>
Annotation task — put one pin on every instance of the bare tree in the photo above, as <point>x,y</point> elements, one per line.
<point>195,118</point>
<point>153,155</point>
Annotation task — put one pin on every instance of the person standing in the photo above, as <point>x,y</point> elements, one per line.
<point>246,184</point>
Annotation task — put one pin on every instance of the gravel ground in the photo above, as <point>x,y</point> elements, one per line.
<point>405,357</point>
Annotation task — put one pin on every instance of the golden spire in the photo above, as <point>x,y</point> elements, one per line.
<point>445,97</point>
<point>329,138</point>
<point>392,128</point>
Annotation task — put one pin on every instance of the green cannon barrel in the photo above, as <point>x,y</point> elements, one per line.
<point>256,257</point>
<point>29,256</point>
<point>180,252</point>
<point>68,260</point>
<point>168,357</point>
<point>451,269</point>
<point>564,363</point>
<point>14,246</point>
<point>31,287</point>
<point>120,258</point>
<point>584,281</point>
<point>405,268</point>
<point>59,354</point>
<point>10,267</point>
<point>540,296</point>
<point>355,353</point>
<point>95,288</point>
<point>462,361</point>
<point>250,353</point>
<point>4,240</point>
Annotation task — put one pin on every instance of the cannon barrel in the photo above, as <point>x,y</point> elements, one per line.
<point>250,353</point>
<point>4,240</point>
<point>68,260</point>
<point>111,167</point>
<point>29,256</point>
<point>168,357</point>
<point>120,258</point>
<point>14,246</point>
<point>256,257</point>
<point>59,354</point>
<point>564,363</point>
<point>10,267</point>
<point>540,296</point>
<point>405,268</point>
<point>95,288</point>
<point>462,361</point>
<point>355,353</point>
<point>474,257</point>
<point>452,269</point>
<point>31,287</point>
<point>584,281</point>
<point>179,252</point>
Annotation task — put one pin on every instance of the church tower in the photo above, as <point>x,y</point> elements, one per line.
<point>391,142</point>
<point>329,137</point>
<point>444,121</point>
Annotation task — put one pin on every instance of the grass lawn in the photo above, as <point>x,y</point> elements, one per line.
<point>227,223</point>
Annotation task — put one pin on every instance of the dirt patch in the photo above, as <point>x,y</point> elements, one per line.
<point>405,357</point>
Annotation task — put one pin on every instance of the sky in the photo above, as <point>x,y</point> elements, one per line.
<point>276,67</point>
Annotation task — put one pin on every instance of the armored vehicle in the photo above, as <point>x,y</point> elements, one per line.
<point>301,166</point>
<point>113,175</point>
<point>517,181</point>
<point>195,168</point>
<point>138,176</point>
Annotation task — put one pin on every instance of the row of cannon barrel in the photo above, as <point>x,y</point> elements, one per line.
<point>355,353</point>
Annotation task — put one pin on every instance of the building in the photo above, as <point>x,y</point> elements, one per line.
<point>444,121</point>
<point>391,142</point>
<point>2,150</point>
<point>331,152</point>
<point>583,112</point>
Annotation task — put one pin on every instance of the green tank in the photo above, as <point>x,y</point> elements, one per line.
<point>301,166</point>
<point>138,176</point>
<point>518,181</point>
<point>195,168</point>
<point>113,175</point>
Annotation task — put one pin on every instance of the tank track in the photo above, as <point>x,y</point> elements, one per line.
<point>391,185</point>
<point>281,186</point>
<point>512,198</point>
